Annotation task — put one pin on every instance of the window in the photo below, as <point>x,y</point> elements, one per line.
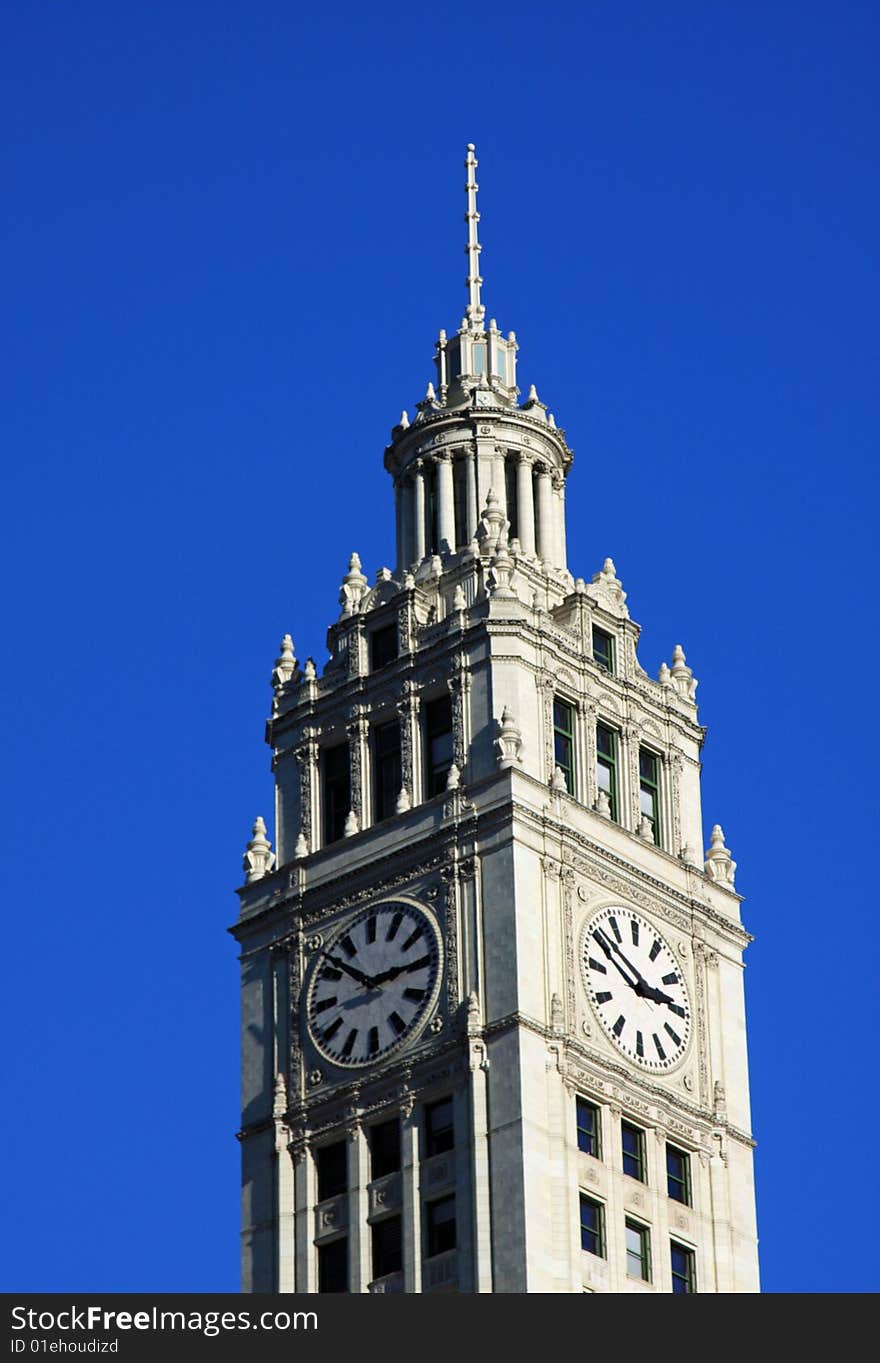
<point>459,499</point>
<point>633,1143</point>
<point>510,489</point>
<point>592,1226</point>
<point>386,769</point>
<point>588,1128</point>
<point>383,646</point>
<point>606,764</point>
<point>387,1247</point>
<point>638,1251</point>
<point>332,1162</point>
<point>438,744</point>
<point>333,1266</point>
<point>439,1226</point>
<point>429,479</point>
<point>649,790</point>
<point>603,649</point>
<point>563,740</point>
<point>678,1175</point>
<point>337,791</point>
<point>439,1129</point>
<point>385,1148</point>
<point>684,1278</point>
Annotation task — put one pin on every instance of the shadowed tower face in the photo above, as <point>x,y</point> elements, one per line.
<point>493,1031</point>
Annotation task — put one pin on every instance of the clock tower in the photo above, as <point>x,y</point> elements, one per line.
<point>493,1029</point>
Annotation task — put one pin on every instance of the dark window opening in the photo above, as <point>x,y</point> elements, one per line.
<point>439,1130</point>
<point>387,1247</point>
<point>383,646</point>
<point>438,744</point>
<point>385,1148</point>
<point>337,791</point>
<point>459,501</point>
<point>332,1163</point>
<point>440,1226</point>
<point>512,493</point>
<point>333,1266</point>
<point>386,769</point>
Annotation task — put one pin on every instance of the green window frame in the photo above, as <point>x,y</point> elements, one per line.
<point>606,764</point>
<point>649,789</point>
<point>678,1174</point>
<point>632,1144</point>
<point>683,1265</point>
<point>638,1251</point>
<point>589,1128</point>
<point>563,740</point>
<point>592,1226</point>
<point>603,649</point>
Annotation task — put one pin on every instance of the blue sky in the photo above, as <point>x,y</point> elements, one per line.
<point>232,233</point>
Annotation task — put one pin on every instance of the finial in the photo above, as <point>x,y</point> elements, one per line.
<point>719,865</point>
<point>475,310</point>
<point>285,663</point>
<point>259,858</point>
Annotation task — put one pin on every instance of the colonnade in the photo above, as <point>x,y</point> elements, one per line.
<point>425,495</point>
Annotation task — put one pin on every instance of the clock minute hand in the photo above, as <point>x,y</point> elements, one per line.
<point>607,948</point>
<point>642,988</point>
<point>351,970</point>
<point>385,975</point>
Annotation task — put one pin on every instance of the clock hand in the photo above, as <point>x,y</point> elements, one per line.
<point>351,970</point>
<point>385,975</point>
<point>606,947</point>
<point>641,987</point>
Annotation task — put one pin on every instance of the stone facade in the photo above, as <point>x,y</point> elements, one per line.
<point>447,678</point>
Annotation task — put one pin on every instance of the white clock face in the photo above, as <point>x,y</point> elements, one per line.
<point>374,983</point>
<point>636,988</point>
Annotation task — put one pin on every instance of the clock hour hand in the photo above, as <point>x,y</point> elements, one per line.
<point>351,970</point>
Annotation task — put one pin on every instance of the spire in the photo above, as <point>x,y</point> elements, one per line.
<point>475,310</point>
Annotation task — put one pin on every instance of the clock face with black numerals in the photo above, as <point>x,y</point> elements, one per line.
<point>636,987</point>
<point>374,983</point>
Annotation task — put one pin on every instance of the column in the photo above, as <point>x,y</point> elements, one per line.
<point>307,759</point>
<point>471,483</point>
<point>559,490</point>
<point>305,1192</point>
<point>480,1181</point>
<point>526,505</point>
<point>412,1211</point>
<point>359,1246</point>
<point>285,1204</point>
<point>358,732</point>
<point>546,545</point>
<point>419,517</point>
<point>445,504</point>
